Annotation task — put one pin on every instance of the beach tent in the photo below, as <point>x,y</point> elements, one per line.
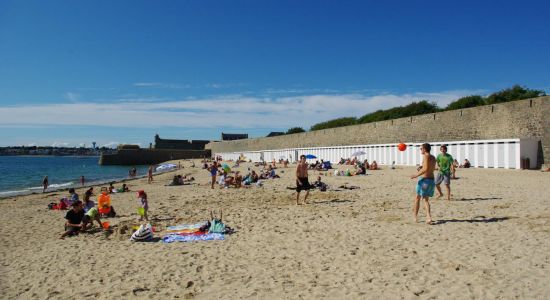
<point>310,156</point>
<point>358,153</point>
<point>165,167</point>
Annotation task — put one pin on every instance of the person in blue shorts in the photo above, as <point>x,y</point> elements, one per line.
<point>426,185</point>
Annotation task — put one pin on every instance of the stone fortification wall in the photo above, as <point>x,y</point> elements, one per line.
<point>519,119</point>
<point>149,156</point>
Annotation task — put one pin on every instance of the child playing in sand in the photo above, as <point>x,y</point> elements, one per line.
<point>144,203</point>
<point>89,217</point>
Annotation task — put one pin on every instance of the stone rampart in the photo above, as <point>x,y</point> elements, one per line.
<point>149,156</point>
<point>528,118</point>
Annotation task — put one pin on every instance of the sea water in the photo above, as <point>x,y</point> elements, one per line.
<point>24,174</point>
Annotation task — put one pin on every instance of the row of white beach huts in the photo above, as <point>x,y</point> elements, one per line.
<point>501,153</point>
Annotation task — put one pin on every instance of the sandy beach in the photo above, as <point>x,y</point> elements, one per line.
<point>491,242</point>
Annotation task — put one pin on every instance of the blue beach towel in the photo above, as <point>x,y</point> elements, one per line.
<point>192,238</point>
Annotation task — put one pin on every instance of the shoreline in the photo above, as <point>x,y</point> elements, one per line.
<point>77,186</point>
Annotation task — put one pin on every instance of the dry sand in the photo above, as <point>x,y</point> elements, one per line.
<point>491,241</point>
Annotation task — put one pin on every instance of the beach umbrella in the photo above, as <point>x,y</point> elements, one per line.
<point>226,168</point>
<point>310,156</point>
<point>358,153</point>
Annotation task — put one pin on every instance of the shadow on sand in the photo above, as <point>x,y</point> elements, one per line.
<point>480,219</point>
<point>479,199</point>
<point>333,201</point>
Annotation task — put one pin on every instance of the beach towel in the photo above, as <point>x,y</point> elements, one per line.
<point>185,228</point>
<point>192,238</point>
<point>144,233</point>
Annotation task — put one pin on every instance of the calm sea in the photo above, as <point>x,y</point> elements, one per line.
<point>24,174</point>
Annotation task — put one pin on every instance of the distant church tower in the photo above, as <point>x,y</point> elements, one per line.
<point>93,143</point>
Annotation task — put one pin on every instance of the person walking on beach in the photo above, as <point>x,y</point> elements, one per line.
<point>426,184</point>
<point>302,182</point>
<point>444,162</point>
<point>150,174</point>
<point>213,172</point>
<point>82,180</point>
<point>45,183</point>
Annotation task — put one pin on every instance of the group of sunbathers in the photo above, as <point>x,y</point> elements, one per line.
<point>360,165</point>
<point>180,180</point>
<point>320,166</point>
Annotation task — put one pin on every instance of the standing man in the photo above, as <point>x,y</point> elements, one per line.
<point>45,183</point>
<point>150,174</point>
<point>82,180</point>
<point>302,182</point>
<point>426,184</point>
<point>444,162</point>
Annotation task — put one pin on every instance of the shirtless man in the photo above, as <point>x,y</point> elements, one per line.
<point>301,179</point>
<point>426,184</point>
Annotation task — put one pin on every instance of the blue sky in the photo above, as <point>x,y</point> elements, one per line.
<point>73,72</point>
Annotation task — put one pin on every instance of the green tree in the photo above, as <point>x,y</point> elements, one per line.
<point>413,109</point>
<point>516,92</point>
<point>295,130</point>
<point>465,102</point>
<point>334,123</point>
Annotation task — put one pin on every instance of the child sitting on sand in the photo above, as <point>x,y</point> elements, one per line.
<point>74,217</point>
<point>320,185</point>
<point>144,203</point>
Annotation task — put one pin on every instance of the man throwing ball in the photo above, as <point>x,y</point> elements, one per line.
<point>425,186</point>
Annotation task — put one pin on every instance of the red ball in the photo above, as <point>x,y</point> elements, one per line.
<point>402,147</point>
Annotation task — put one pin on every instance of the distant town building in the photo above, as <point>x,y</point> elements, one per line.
<point>234,136</point>
<point>179,144</point>
<point>127,147</point>
<point>275,133</point>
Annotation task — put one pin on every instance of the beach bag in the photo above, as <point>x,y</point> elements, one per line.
<point>144,233</point>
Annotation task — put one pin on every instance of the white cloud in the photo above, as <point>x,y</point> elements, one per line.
<point>72,97</point>
<point>223,85</point>
<point>60,144</point>
<point>110,145</point>
<point>162,85</point>
<point>223,111</point>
